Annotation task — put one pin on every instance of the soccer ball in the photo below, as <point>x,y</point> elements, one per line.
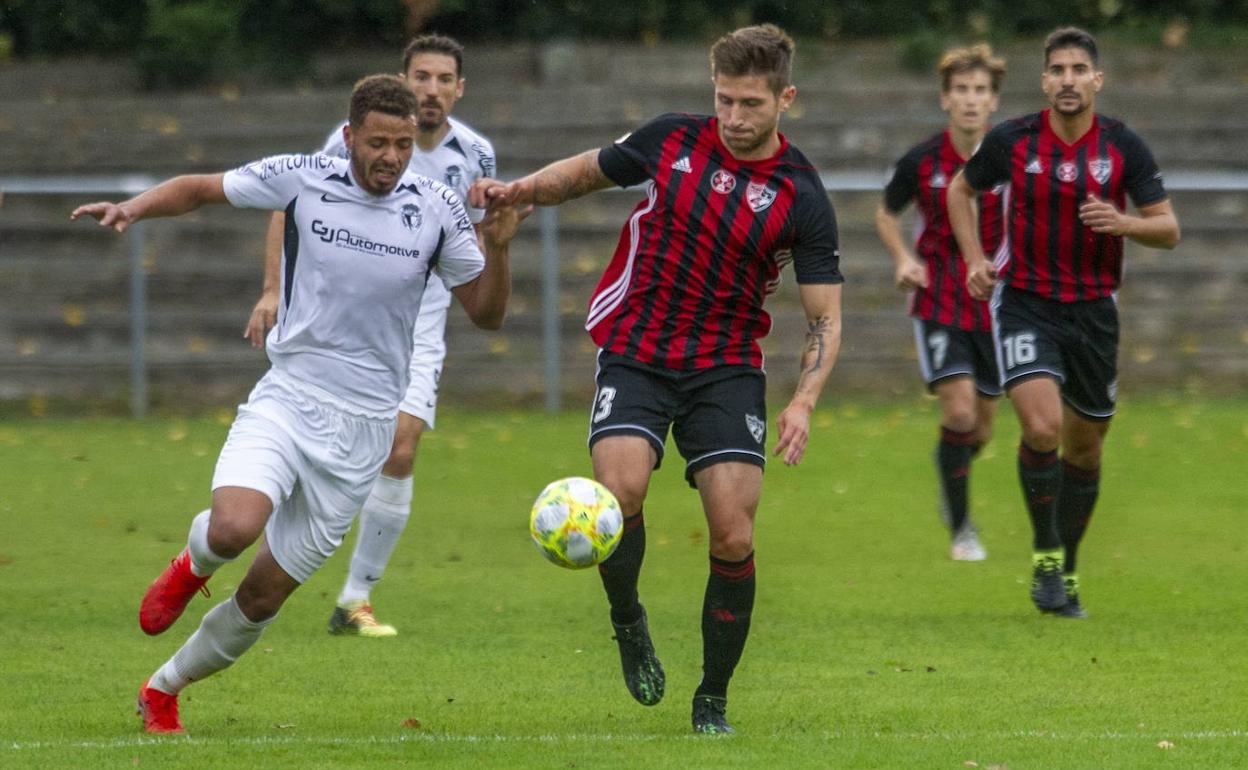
<point>576,522</point>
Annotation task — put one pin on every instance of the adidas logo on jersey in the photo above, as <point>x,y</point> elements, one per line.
<point>1034,167</point>
<point>682,165</point>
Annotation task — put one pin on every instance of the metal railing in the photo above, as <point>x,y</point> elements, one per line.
<point>548,224</point>
<point>136,239</point>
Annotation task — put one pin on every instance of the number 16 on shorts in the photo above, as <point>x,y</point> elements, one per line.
<point>1018,350</point>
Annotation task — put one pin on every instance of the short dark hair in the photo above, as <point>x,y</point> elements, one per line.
<point>1069,37</point>
<point>760,50</point>
<point>448,46</point>
<point>381,93</point>
<point>975,57</point>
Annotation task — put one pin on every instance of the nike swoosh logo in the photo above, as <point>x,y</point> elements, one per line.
<point>326,199</point>
<point>371,579</point>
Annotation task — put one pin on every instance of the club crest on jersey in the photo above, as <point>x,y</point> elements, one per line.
<point>410,214</point>
<point>1101,169</point>
<point>454,175</point>
<point>759,196</point>
<point>723,182</point>
<point>1067,172</point>
<point>758,428</point>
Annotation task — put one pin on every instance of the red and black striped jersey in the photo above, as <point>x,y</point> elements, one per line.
<point>685,287</point>
<point>923,175</point>
<point>1047,249</point>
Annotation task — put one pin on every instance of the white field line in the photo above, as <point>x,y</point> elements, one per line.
<point>143,741</point>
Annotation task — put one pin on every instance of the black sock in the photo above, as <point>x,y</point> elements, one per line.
<point>1041,479</point>
<point>726,614</point>
<point>953,461</point>
<point>1074,507</point>
<point>619,573</point>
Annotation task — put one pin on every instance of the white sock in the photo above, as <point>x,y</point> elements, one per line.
<point>382,520</point>
<point>204,561</point>
<point>224,634</point>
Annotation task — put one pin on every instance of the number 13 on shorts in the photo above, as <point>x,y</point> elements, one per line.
<point>602,403</point>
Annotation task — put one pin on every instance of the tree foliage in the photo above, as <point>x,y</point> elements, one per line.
<point>180,42</point>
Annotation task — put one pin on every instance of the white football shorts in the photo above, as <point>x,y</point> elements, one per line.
<point>428,352</point>
<point>314,456</point>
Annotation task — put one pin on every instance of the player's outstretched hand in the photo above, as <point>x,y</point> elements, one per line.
<point>981,277</point>
<point>487,192</point>
<point>482,192</point>
<point>263,316</point>
<point>1102,216</point>
<point>793,427</point>
<point>107,214</point>
<point>501,222</point>
<point>912,274</point>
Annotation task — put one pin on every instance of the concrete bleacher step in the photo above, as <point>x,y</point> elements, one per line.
<point>848,122</point>
<point>64,312</point>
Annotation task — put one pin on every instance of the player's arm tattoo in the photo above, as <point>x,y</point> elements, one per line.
<point>815,351</point>
<point>569,178</point>
<point>822,345</point>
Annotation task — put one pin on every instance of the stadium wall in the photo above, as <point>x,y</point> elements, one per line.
<point>64,323</point>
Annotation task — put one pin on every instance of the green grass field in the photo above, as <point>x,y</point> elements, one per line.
<point>870,649</point>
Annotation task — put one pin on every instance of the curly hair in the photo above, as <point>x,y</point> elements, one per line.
<point>387,94</point>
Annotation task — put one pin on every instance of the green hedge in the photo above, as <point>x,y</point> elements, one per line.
<point>184,42</point>
<point>181,42</point>
<point>700,19</point>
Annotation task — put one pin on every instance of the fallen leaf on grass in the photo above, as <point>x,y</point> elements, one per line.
<point>286,726</point>
<point>970,763</point>
<point>413,723</point>
<point>1165,745</point>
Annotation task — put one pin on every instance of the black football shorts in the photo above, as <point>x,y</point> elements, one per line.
<point>1075,343</point>
<point>716,415</point>
<point>947,351</point>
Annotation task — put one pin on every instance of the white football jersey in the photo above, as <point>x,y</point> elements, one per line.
<point>463,157</point>
<point>354,269</point>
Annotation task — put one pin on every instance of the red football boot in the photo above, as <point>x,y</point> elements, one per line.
<point>159,710</point>
<point>169,594</point>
